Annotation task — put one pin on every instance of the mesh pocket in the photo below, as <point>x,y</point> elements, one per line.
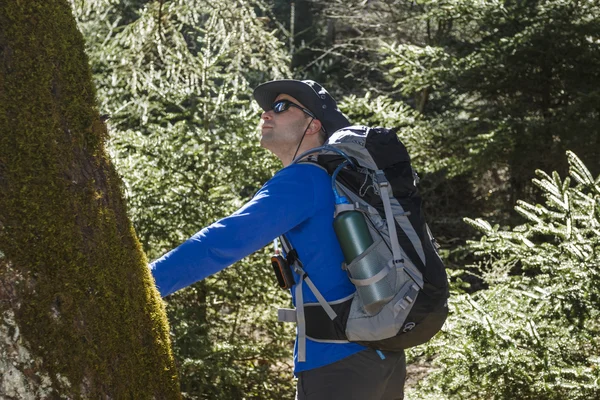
<point>374,279</point>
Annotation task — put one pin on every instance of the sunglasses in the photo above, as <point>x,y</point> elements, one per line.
<point>282,105</point>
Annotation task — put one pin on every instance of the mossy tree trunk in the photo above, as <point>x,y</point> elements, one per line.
<point>79,314</point>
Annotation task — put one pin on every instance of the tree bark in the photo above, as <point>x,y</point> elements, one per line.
<point>79,314</point>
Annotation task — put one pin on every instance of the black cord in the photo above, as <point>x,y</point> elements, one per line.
<point>302,138</point>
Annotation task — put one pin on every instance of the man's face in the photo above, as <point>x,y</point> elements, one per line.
<point>281,133</point>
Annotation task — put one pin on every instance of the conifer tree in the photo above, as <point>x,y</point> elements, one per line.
<point>533,334</point>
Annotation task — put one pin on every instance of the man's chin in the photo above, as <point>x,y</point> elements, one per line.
<point>264,142</point>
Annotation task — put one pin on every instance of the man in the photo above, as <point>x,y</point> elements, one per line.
<point>297,202</point>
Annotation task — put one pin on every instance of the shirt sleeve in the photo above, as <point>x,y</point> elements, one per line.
<point>284,202</point>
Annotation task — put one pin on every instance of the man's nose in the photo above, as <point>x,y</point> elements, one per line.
<point>267,115</point>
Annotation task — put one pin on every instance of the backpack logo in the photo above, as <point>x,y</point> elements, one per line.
<point>408,327</point>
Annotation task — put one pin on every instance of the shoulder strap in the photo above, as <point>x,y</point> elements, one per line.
<point>414,273</point>
<point>286,315</point>
<point>312,160</point>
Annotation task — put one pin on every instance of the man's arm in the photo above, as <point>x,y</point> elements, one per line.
<point>284,202</point>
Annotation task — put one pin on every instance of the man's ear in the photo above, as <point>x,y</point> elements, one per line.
<point>314,127</point>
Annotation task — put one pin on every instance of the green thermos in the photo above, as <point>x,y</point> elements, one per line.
<point>353,234</point>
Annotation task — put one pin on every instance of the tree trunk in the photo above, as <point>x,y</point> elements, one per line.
<point>79,314</point>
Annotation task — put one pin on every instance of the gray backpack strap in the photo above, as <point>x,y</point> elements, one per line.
<point>384,185</point>
<point>297,315</point>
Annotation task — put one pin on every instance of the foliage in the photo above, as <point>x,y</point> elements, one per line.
<point>508,85</point>
<point>72,272</point>
<point>338,45</point>
<point>176,80</point>
<point>534,333</point>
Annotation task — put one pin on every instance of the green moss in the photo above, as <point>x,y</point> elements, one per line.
<point>89,308</point>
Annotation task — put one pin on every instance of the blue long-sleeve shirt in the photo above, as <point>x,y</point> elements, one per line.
<point>298,202</point>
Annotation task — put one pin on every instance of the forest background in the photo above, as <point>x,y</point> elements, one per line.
<point>498,104</point>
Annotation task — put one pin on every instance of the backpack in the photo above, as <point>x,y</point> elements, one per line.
<point>371,168</point>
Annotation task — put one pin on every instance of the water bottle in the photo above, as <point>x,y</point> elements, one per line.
<point>353,234</point>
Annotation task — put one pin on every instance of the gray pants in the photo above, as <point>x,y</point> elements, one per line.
<point>362,376</point>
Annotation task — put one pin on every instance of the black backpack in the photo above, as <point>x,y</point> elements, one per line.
<point>372,169</point>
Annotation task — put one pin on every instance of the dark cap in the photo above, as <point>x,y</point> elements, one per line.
<point>312,95</point>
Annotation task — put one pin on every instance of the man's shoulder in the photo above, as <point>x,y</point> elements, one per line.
<point>305,177</point>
